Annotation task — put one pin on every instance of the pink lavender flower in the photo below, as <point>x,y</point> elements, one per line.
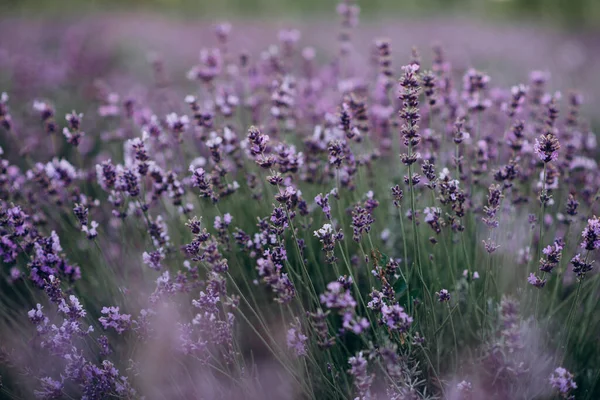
<point>129,182</point>
<point>352,323</point>
<point>546,147</point>
<point>459,134</point>
<point>475,83</point>
<point>323,202</point>
<point>141,155</point>
<point>210,66</point>
<point>72,309</point>
<point>511,328</point>
<point>201,180</point>
<point>328,237</point>
<point>16,220</point>
<point>100,382</point>
<point>337,152</point>
<point>362,219</point>
<point>395,318</point>
<point>36,315</point>
<point>490,246</point>
<point>176,123</point>
<point>562,380</point>
<point>46,112</point>
<point>73,133</point>
<point>15,275</point>
<point>409,113</point>
<point>362,379</point>
<point>337,296</point>
<point>90,230</point>
<point>397,195</point>
<point>288,38</point>
<point>158,231</point>
<point>50,389</point>
<point>154,259</point>
<point>553,255</point>
<point>143,325</point>
<point>270,272</point>
<point>106,175</point>
<point>296,340</point>
<point>105,349</point>
<point>572,205</point>
<point>48,264</point>
<point>5,117</point>
<point>377,300</point>
<point>110,106</point>
<point>222,31</point>
<point>443,296</point>
<point>536,281</point>
<point>591,234</point>
<point>81,213</point>
<point>581,266</point>
<point>346,121</point>
<point>494,198</point>
<point>429,81</point>
<point>223,223</point>
<point>465,389</point>
<point>318,321</point>
<point>190,344</point>
<point>283,99</point>
<point>114,319</point>
<point>257,142</point>
<point>518,94</point>
<point>432,217</point>
<point>349,12</point>
<point>52,287</point>
<point>516,141</point>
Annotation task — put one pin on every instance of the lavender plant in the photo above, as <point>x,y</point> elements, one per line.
<point>267,233</point>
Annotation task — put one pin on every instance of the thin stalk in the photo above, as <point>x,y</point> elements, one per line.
<point>454,336</point>
<point>541,233</point>
<point>569,325</point>
<point>408,302</point>
<point>559,271</point>
<point>415,233</point>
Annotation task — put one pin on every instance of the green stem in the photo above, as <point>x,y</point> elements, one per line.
<point>541,234</point>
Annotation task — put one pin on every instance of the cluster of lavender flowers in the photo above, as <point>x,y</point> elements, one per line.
<point>319,222</point>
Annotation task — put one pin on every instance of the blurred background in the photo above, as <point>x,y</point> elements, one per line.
<point>571,14</point>
<point>58,48</point>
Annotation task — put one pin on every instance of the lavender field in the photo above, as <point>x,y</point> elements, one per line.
<point>278,208</point>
